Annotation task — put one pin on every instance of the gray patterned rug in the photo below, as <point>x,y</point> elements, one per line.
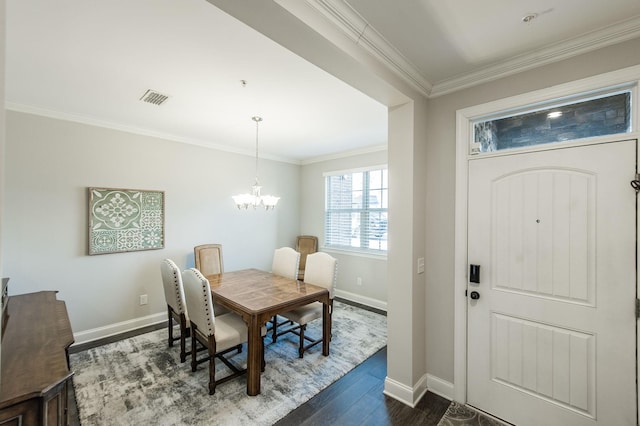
<point>461,415</point>
<point>141,381</point>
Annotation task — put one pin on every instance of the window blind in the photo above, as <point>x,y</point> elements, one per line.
<point>356,210</point>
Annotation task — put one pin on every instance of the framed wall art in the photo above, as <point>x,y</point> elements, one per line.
<point>122,220</point>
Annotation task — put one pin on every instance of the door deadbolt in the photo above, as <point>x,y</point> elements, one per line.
<point>474,295</point>
<point>474,274</point>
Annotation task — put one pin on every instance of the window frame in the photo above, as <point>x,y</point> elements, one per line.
<point>552,103</point>
<point>365,211</point>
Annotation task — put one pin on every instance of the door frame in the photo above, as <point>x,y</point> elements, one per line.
<point>464,131</point>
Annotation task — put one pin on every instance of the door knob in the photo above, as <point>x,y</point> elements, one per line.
<point>474,295</point>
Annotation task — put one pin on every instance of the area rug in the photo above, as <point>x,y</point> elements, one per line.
<point>141,381</point>
<point>461,415</point>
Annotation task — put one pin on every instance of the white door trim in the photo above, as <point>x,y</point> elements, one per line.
<point>464,119</point>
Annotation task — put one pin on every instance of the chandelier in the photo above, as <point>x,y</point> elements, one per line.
<point>254,199</point>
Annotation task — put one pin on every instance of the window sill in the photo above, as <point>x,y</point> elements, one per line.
<point>357,253</point>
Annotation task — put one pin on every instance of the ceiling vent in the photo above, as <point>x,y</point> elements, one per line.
<point>153,97</point>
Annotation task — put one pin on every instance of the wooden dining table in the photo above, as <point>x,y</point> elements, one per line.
<point>257,296</point>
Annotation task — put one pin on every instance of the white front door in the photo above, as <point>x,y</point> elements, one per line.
<point>552,337</point>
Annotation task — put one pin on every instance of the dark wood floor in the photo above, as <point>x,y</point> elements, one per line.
<point>357,399</point>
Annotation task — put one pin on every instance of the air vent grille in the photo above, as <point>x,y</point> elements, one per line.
<point>153,97</point>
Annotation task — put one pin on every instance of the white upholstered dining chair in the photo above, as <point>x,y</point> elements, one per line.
<point>176,308</point>
<point>321,270</point>
<point>218,334</point>
<point>285,263</point>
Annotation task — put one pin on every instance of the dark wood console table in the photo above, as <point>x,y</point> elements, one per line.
<point>35,363</point>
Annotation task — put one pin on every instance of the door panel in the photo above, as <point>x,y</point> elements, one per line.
<point>554,257</point>
<point>552,338</point>
<point>553,363</point>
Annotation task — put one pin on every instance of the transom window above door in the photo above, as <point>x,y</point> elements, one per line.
<point>581,117</point>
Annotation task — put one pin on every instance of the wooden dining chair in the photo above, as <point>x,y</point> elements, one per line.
<point>218,334</point>
<point>305,245</point>
<point>176,308</point>
<point>321,270</point>
<point>208,260</point>
<point>285,264</point>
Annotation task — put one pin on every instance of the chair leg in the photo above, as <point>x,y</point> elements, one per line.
<point>263,363</point>
<point>274,328</point>
<point>212,365</point>
<point>183,338</point>
<point>194,351</point>
<point>301,349</point>
<point>170,322</point>
<point>274,334</point>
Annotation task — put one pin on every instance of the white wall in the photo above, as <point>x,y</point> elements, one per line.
<point>372,271</point>
<point>406,359</point>
<point>2,123</point>
<point>49,165</point>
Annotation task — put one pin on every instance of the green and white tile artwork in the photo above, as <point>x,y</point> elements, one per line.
<point>122,220</point>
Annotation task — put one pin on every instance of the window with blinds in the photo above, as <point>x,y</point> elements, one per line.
<point>356,210</point>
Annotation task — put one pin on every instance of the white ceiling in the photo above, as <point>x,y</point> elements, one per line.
<point>446,40</point>
<point>91,61</point>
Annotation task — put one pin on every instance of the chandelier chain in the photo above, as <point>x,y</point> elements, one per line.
<point>257,120</point>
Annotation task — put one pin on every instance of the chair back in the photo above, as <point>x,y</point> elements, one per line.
<point>173,288</point>
<point>306,244</point>
<point>285,262</point>
<point>322,270</point>
<point>199,301</point>
<point>208,259</point>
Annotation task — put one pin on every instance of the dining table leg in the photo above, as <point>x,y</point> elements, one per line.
<point>254,358</point>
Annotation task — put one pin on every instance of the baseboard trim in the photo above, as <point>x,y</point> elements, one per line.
<point>117,328</point>
<point>93,334</point>
<point>407,395</point>
<point>398,391</point>
<point>440,387</point>
<point>364,300</point>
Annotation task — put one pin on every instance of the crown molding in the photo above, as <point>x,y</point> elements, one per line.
<point>344,154</point>
<point>91,121</point>
<point>82,119</point>
<point>594,40</point>
<point>351,23</point>
<point>356,28</point>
